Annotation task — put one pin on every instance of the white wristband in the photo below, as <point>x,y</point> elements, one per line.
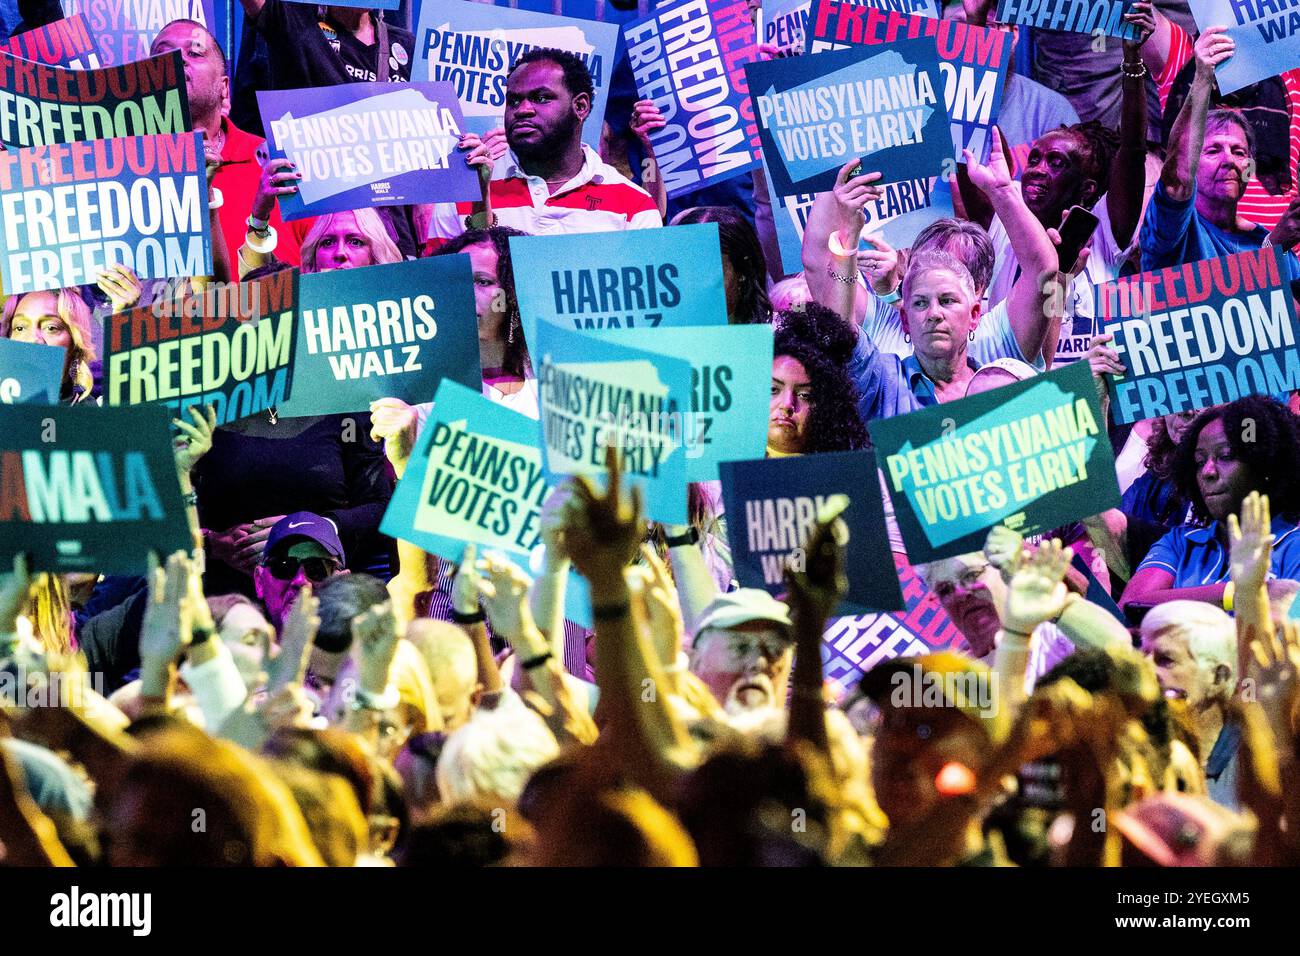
<point>264,246</point>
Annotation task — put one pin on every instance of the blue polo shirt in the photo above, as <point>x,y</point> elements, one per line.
<point>889,385</point>
<point>1221,768</point>
<point>1174,232</point>
<point>1194,556</point>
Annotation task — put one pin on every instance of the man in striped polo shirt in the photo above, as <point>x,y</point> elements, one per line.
<point>549,182</point>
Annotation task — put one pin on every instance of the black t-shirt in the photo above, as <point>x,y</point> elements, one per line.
<point>307,49</point>
<point>111,641</point>
<point>327,465</point>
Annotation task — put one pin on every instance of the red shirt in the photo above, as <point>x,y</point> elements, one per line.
<point>237,179</point>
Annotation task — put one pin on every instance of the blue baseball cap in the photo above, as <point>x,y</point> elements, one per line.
<point>305,524</point>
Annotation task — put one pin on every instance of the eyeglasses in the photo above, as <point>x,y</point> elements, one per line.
<point>969,580</point>
<point>286,569</point>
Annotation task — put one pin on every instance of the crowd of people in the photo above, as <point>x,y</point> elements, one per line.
<point>301,689</point>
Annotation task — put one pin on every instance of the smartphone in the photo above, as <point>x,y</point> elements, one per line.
<point>1075,231</point>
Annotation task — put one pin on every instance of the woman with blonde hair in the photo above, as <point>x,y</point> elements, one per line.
<point>57,317</point>
<point>337,240</point>
<point>348,240</point>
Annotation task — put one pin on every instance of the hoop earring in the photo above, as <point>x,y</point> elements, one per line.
<point>972,336</point>
<point>907,338</point>
<point>74,373</point>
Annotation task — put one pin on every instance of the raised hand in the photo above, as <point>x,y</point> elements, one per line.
<point>1212,47</point>
<point>468,585</point>
<point>280,177</point>
<point>1037,590</point>
<point>646,118</point>
<point>194,441</point>
<point>168,623</point>
<point>1143,16</point>
<point>296,637</point>
<point>663,610</point>
<point>483,151</point>
<point>1250,543</point>
<point>375,645</point>
<point>551,526</point>
<point>993,177</point>
<point>122,287</point>
<point>604,531</point>
<point>882,264</point>
<point>851,193</point>
<point>482,154</point>
<point>505,596</point>
<point>394,422</point>
<point>1005,550</point>
<point>1272,667</point>
<point>1104,360</point>
<point>818,588</point>
<point>14,588</point>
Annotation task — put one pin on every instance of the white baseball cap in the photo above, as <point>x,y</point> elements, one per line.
<point>741,607</point>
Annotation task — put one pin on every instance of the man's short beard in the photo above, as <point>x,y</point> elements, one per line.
<point>200,113</point>
<point>548,146</point>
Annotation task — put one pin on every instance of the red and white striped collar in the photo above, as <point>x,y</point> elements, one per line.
<point>593,170</point>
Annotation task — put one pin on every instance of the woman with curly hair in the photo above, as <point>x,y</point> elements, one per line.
<point>1252,444</point>
<point>813,409</point>
<point>1154,494</point>
<point>58,317</point>
<point>814,404</point>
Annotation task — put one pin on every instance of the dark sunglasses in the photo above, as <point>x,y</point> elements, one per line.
<point>286,568</point>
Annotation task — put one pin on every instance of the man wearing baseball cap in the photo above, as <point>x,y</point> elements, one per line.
<point>743,649</point>
<point>303,548</point>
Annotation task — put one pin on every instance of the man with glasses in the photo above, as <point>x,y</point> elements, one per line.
<point>302,548</point>
<point>974,592</point>
<point>743,650</point>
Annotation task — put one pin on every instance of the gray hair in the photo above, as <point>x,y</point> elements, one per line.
<point>964,240</point>
<point>930,260</point>
<point>1225,115</point>
<point>1210,635</point>
<point>494,754</point>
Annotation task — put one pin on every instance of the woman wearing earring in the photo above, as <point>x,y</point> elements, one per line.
<point>503,354</point>
<point>57,317</point>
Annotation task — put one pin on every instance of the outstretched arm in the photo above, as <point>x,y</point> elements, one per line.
<point>1128,170</point>
<point>1187,137</point>
<point>603,532</point>
<point>1033,249</point>
<point>814,593</point>
<point>837,217</point>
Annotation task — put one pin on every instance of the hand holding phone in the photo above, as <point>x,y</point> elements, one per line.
<point>1076,229</point>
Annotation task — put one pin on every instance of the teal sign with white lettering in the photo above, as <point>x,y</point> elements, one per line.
<point>1033,455</point>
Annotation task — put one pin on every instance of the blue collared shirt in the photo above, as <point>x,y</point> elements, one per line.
<point>889,385</point>
<point>1221,768</point>
<point>1173,233</point>
<point>1195,557</point>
